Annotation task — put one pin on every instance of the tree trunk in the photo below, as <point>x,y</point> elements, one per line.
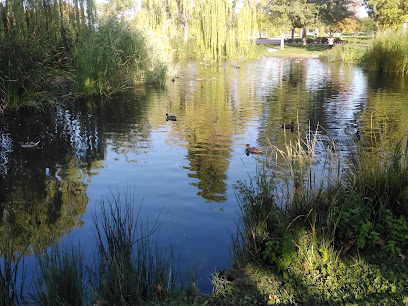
<point>304,42</point>
<point>282,44</point>
<point>293,34</point>
<point>186,28</point>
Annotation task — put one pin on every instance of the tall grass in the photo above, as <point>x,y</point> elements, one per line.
<point>130,267</point>
<point>36,38</point>
<point>350,54</point>
<point>61,277</point>
<point>286,191</point>
<point>360,204</point>
<point>12,275</point>
<point>389,53</point>
<point>117,56</point>
<point>45,40</point>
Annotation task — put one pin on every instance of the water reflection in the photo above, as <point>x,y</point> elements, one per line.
<point>176,167</point>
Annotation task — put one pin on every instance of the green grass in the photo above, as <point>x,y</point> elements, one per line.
<point>291,50</point>
<point>350,54</point>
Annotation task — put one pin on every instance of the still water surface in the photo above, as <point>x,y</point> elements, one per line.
<point>183,172</point>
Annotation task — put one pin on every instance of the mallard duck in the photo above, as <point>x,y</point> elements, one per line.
<point>171,117</point>
<point>288,126</point>
<point>29,144</point>
<point>253,150</point>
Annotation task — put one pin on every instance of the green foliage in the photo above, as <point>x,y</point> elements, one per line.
<point>388,13</point>
<point>116,57</point>
<point>350,54</point>
<point>322,226</point>
<point>208,28</point>
<point>388,53</point>
<point>33,41</point>
<point>280,252</point>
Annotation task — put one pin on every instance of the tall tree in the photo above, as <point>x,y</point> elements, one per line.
<point>335,11</point>
<point>388,13</point>
<point>279,12</point>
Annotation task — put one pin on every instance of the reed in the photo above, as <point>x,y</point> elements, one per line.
<point>12,275</point>
<point>286,190</point>
<point>129,267</point>
<point>116,57</point>
<point>132,269</point>
<point>61,277</point>
<point>329,204</point>
<point>350,54</point>
<point>36,38</point>
<point>388,53</point>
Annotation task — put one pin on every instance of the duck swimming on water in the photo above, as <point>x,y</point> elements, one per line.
<point>171,117</point>
<point>288,126</point>
<point>29,144</point>
<point>253,150</point>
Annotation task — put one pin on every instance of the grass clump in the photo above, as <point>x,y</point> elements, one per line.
<point>341,237</point>
<point>61,277</point>
<point>350,54</point>
<point>12,275</point>
<point>389,53</point>
<point>130,268</point>
<point>116,57</point>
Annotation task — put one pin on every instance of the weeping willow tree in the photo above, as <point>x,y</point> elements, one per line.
<point>36,37</point>
<point>206,28</point>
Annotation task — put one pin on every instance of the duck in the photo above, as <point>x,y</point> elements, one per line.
<point>288,126</point>
<point>253,150</point>
<point>171,117</point>
<point>357,135</point>
<point>29,144</point>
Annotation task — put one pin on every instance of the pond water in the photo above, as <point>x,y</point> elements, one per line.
<point>182,171</point>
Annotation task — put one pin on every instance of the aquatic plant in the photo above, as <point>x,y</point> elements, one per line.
<point>307,227</point>
<point>350,54</point>
<point>388,53</point>
<point>117,56</point>
<point>12,274</point>
<point>36,38</point>
<point>131,266</point>
<point>61,277</point>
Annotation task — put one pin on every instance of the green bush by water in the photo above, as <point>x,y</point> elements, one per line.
<point>350,54</point>
<point>43,50</point>
<point>331,242</point>
<point>117,56</point>
<point>389,53</point>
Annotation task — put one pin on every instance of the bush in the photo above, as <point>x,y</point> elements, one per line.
<point>388,53</point>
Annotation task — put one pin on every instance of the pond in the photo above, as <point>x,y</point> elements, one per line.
<point>182,172</point>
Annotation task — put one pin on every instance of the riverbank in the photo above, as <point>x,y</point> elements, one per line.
<point>304,241</point>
